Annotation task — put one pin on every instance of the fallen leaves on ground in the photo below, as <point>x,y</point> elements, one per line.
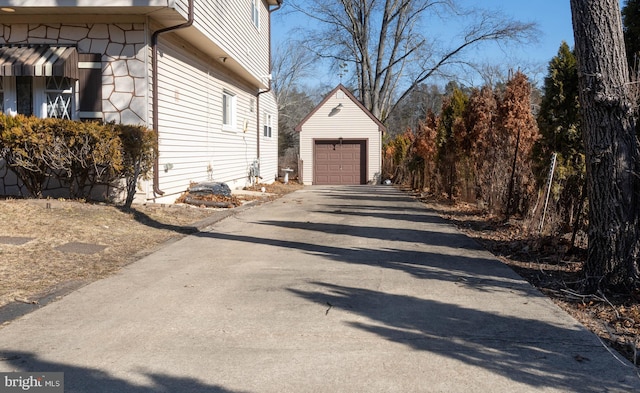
<point>553,266</point>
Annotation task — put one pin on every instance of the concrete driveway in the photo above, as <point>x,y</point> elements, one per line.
<point>329,289</point>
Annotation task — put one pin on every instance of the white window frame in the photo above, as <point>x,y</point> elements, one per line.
<point>10,95</point>
<point>268,125</point>
<point>255,12</point>
<point>229,116</point>
<point>69,91</point>
<point>39,85</point>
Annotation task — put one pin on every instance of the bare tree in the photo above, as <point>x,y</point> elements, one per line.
<point>387,44</point>
<point>291,64</point>
<point>612,156</point>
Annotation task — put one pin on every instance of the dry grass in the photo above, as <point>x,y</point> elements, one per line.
<point>37,267</point>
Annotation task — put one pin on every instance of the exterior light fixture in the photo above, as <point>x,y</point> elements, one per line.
<point>335,110</point>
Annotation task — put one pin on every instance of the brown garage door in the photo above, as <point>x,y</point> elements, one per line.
<point>340,162</point>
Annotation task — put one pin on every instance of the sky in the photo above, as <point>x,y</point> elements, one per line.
<point>553,19</point>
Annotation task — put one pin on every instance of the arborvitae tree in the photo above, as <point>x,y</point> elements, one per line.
<point>481,143</point>
<point>397,157</point>
<point>450,128</point>
<point>425,150</point>
<point>518,128</point>
<point>559,124</point>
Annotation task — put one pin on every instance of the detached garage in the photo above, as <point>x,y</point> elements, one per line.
<point>340,142</point>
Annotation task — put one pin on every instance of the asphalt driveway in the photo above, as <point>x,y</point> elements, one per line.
<point>328,289</point>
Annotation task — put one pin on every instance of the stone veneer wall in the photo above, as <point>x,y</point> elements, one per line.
<point>123,47</point>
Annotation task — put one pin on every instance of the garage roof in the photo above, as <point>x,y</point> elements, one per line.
<point>381,127</point>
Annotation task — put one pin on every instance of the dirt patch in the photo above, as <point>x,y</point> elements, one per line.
<point>64,241</point>
<point>553,266</point>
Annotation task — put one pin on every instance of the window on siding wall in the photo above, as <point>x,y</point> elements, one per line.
<point>255,12</point>
<point>267,125</point>
<point>228,110</point>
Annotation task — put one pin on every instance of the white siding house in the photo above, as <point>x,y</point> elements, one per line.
<point>340,142</point>
<point>197,71</point>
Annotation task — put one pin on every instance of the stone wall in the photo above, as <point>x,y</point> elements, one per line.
<point>123,47</point>
<point>125,95</point>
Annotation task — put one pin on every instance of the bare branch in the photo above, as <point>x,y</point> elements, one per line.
<point>386,41</point>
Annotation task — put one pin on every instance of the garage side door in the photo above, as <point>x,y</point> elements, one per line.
<point>340,163</point>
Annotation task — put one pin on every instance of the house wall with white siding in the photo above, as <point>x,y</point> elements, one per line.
<point>194,146</point>
<point>269,145</point>
<point>229,25</point>
<point>351,122</point>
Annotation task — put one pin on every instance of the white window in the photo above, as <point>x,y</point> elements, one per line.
<point>59,97</point>
<point>267,125</point>
<point>228,110</point>
<point>43,97</point>
<point>255,12</point>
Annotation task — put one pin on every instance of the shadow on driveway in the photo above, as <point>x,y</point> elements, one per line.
<point>524,350</point>
<point>83,380</point>
<point>541,353</point>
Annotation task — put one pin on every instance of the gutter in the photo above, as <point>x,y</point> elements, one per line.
<point>264,91</point>
<point>154,82</point>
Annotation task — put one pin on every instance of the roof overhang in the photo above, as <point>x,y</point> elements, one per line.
<point>69,14</point>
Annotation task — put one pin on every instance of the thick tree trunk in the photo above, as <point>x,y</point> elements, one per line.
<point>611,147</point>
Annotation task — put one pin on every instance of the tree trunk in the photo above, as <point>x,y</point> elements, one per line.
<point>610,145</point>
